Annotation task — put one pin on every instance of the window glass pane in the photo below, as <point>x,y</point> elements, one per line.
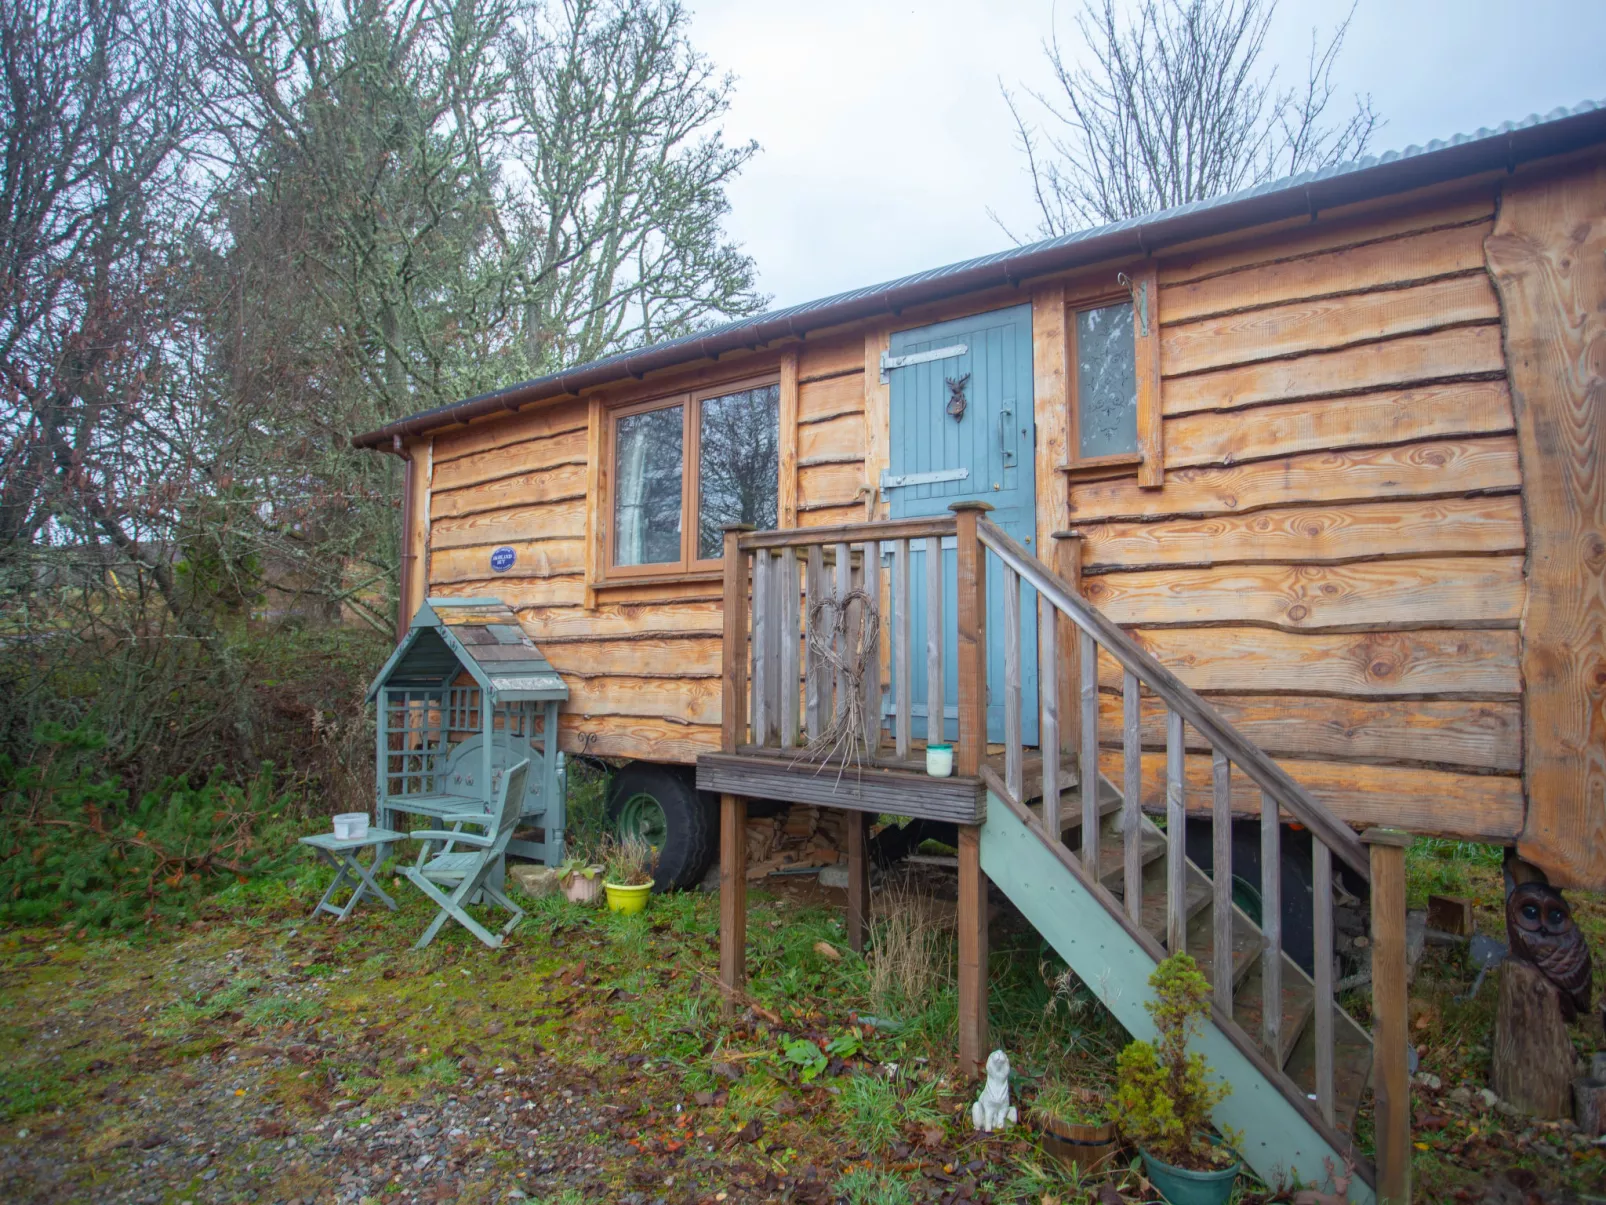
<point>1106,381</point>
<point>738,465</point>
<point>647,467</point>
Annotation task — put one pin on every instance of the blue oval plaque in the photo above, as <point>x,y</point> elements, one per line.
<point>502,559</point>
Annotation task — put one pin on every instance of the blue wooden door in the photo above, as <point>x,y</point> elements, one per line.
<point>985,452</point>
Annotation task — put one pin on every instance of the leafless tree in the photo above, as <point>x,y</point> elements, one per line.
<point>1175,105</point>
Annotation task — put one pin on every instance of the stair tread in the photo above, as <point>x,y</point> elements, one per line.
<point>1247,943</point>
<point>1298,997</point>
<point>1352,1067</point>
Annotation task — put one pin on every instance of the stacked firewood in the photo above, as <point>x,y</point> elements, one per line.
<point>800,836</point>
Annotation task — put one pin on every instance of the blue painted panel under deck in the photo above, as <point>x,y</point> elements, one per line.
<point>994,440</point>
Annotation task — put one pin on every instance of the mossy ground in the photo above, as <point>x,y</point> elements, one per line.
<point>257,1055</point>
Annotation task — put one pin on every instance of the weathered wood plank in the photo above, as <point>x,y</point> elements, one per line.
<point>1271,927</point>
<point>820,401</point>
<point>544,453</point>
<point>935,686</point>
<point>1375,265</point>
<point>858,916</point>
<point>1366,420</point>
<point>971,923</point>
<point>732,900</point>
<point>419,484</point>
<point>817,688</point>
<point>1479,807</point>
<point>760,644</point>
<point>1480,524</point>
<point>734,592</point>
<point>830,357</point>
<point>868,789</point>
<point>1250,660</point>
<point>620,620</point>
<point>1148,358</point>
<point>1221,880</point>
<point>564,520</point>
<point>543,420</point>
<point>828,514</point>
<point>830,485</point>
<point>1176,816</point>
<point>1050,405</point>
<point>1048,709</point>
<point>1325,323</point>
<point>1348,226</point>
<point>972,644</point>
<point>1548,256</point>
<point>790,601</point>
<point>788,431</point>
<point>1462,351</point>
<point>636,737</point>
<point>1437,467</point>
<point>1131,798</point>
<point>555,483</point>
<point>1014,754</point>
<point>559,595</point>
<point>650,657</point>
<point>535,559</point>
<point>877,417</point>
<point>841,436</point>
<point>903,649</point>
<point>1464,733</point>
<point>1390,1012</point>
<point>1088,759</point>
<point>689,700</point>
<point>1401,593</point>
<point>1322,910</point>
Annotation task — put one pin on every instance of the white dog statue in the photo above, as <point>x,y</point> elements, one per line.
<point>992,1110</point>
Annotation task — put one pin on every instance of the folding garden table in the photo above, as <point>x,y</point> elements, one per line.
<point>342,855</point>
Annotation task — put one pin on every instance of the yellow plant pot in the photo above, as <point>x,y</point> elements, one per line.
<point>627,899</point>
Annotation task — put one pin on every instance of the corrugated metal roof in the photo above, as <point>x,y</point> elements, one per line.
<point>1505,146</point>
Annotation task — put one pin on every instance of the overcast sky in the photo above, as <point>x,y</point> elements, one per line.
<point>885,139</point>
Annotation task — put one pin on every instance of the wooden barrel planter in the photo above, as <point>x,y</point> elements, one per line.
<point>1077,1148</point>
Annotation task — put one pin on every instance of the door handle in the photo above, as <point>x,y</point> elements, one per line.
<point>1003,445</point>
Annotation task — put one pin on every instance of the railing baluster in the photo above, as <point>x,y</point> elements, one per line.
<point>733,687</point>
<point>774,598</point>
<point>1322,907</point>
<point>936,689</point>
<point>844,586</point>
<point>1132,788</point>
<point>761,649</point>
<point>790,652</point>
<point>1048,738</point>
<point>1221,871</point>
<point>815,686</point>
<point>1014,754</point>
<point>1271,928</point>
<point>1176,833</point>
<point>1088,762</point>
<point>871,680</point>
<point>902,651</point>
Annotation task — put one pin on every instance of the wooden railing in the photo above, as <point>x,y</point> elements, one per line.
<point>773,578</point>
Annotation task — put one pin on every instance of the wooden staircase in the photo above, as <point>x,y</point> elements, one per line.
<point>1099,869</point>
<point>1291,1047</point>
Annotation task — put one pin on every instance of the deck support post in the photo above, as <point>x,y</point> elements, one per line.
<point>732,899</point>
<point>1391,1073</point>
<point>858,879</point>
<point>968,760</point>
<point>972,924</point>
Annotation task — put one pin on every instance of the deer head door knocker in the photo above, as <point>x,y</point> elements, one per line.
<point>956,396</point>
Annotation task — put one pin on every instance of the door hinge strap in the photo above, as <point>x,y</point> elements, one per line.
<point>891,482</point>
<point>889,361</point>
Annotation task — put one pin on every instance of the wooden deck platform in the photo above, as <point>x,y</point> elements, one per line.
<point>901,789</point>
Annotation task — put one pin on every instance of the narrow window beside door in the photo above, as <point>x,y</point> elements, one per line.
<point>1106,382</point>
<point>647,510</point>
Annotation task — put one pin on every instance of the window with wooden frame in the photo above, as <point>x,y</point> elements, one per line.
<point>1113,356</point>
<point>684,466</point>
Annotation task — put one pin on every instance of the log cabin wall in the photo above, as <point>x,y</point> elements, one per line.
<point>1336,554</point>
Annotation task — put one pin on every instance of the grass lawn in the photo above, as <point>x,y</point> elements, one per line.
<point>257,1055</point>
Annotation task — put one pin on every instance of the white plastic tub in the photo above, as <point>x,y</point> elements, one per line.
<point>351,826</point>
<point>939,760</point>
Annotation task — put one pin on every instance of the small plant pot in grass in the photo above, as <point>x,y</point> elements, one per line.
<point>1180,1186</point>
<point>1075,1128</point>
<point>582,884</point>
<point>629,867</point>
<point>1165,1095</point>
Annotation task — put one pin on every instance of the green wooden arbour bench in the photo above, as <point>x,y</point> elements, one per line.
<point>466,696</point>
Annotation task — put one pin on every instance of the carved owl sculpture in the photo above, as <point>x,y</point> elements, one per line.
<point>1540,928</point>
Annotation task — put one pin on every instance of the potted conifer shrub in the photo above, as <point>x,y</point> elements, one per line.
<point>1075,1126</point>
<point>1164,1095</point>
<point>629,863</point>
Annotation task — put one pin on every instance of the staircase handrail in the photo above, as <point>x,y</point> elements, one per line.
<point>1181,698</point>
